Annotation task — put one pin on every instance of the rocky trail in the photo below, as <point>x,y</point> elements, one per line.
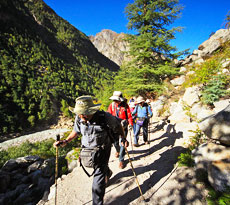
<point>160,178</point>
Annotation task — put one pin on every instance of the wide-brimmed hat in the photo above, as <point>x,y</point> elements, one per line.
<point>85,106</point>
<point>147,101</point>
<point>140,99</point>
<point>117,95</point>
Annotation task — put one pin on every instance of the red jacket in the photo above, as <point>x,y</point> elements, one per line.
<point>113,108</point>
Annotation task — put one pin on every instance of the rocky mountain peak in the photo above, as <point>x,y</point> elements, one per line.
<point>111,44</point>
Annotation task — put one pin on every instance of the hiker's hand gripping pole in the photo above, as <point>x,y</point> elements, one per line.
<point>56,168</point>
<point>134,173</point>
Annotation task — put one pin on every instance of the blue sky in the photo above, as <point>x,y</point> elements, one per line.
<point>199,18</point>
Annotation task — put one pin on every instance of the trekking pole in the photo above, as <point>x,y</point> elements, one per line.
<point>130,134</point>
<point>56,168</point>
<point>149,133</point>
<point>134,173</point>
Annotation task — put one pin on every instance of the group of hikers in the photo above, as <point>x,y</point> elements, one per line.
<point>100,129</point>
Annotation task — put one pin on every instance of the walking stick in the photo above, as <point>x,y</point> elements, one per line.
<point>149,133</point>
<point>134,173</point>
<point>56,169</point>
<point>130,134</point>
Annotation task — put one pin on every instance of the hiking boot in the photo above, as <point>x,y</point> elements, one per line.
<point>117,154</point>
<point>121,165</point>
<point>136,145</point>
<point>107,177</point>
<point>147,142</point>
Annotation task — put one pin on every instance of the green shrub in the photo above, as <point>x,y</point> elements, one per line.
<point>187,110</point>
<point>214,89</point>
<point>65,108</point>
<point>218,198</point>
<point>203,73</point>
<point>185,159</point>
<point>31,120</point>
<point>197,139</point>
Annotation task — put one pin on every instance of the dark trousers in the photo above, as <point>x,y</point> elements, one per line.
<point>121,149</point>
<point>98,187</point>
<point>137,132</point>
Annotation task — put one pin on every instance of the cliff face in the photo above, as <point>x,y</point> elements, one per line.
<point>111,44</point>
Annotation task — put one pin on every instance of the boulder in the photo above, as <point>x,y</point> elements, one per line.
<point>178,81</point>
<point>220,105</point>
<point>219,175</point>
<point>214,42</point>
<point>200,111</point>
<point>71,160</point>
<point>191,95</point>
<point>213,159</point>
<point>217,126</point>
<point>4,181</point>
<point>209,152</point>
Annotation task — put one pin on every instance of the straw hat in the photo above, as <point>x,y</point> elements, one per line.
<point>117,95</point>
<point>147,101</point>
<point>85,106</point>
<point>140,99</point>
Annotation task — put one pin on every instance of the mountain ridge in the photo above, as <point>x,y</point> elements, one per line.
<point>45,62</point>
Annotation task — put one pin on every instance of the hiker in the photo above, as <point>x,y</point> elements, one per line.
<point>120,109</point>
<point>95,141</point>
<point>132,106</point>
<point>132,99</point>
<point>143,112</point>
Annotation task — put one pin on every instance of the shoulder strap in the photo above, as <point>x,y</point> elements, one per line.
<point>137,106</point>
<point>126,114</point>
<point>87,173</point>
<point>113,106</point>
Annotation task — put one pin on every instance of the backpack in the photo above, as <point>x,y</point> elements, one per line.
<point>112,135</point>
<point>94,157</point>
<point>124,122</point>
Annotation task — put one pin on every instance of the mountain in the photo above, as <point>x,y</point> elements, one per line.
<point>112,45</point>
<point>44,61</point>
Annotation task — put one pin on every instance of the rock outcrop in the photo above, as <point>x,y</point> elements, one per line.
<point>111,44</point>
<point>213,159</point>
<point>207,48</point>
<point>26,180</point>
<point>217,126</point>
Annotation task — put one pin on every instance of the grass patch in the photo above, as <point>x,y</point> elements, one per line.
<point>43,149</point>
<point>218,198</point>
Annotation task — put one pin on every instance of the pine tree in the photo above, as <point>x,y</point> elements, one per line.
<point>227,21</point>
<point>150,48</point>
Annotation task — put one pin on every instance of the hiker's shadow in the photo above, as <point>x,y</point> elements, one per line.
<point>159,168</point>
<point>169,139</point>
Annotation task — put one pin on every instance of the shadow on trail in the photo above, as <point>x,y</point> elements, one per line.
<point>189,192</point>
<point>161,167</point>
<point>169,141</point>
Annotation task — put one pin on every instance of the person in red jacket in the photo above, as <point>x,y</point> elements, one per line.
<point>120,109</point>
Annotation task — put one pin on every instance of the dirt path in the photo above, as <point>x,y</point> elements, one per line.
<point>160,179</point>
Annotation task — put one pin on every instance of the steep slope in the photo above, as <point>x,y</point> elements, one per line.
<point>44,59</point>
<point>64,40</point>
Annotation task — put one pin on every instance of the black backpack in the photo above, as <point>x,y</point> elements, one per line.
<point>112,135</point>
<point>91,157</point>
